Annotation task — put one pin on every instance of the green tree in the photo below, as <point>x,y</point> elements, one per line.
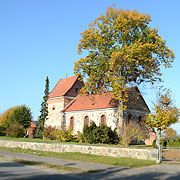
<point>170,133</point>
<point>5,117</point>
<point>18,114</point>
<point>21,115</point>
<point>121,49</point>
<point>165,114</point>
<point>43,111</point>
<point>15,120</point>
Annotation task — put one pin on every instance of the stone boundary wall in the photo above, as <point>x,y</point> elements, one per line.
<point>138,153</point>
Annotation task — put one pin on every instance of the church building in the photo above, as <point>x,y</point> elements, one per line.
<point>68,109</point>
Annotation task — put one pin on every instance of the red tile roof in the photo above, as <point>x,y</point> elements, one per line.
<point>106,100</point>
<point>63,86</point>
<point>94,101</point>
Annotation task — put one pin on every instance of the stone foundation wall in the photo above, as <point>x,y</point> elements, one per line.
<point>148,154</point>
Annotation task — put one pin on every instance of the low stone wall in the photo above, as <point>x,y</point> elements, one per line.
<point>138,153</point>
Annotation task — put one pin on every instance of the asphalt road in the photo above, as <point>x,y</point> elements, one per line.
<point>14,171</point>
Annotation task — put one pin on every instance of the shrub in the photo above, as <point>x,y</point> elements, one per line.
<point>49,133</point>
<point>172,143</point>
<point>64,135</point>
<point>38,132</point>
<point>79,137</point>
<point>15,130</point>
<point>53,133</point>
<point>99,134</point>
<point>2,131</point>
<point>132,133</point>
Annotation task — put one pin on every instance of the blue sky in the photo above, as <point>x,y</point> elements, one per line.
<point>39,38</point>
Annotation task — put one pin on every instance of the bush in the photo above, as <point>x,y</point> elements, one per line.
<point>15,130</point>
<point>2,131</point>
<point>64,135</point>
<point>173,143</point>
<point>132,133</point>
<point>49,133</point>
<point>38,132</point>
<point>99,134</point>
<point>53,133</point>
<point>79,137</point>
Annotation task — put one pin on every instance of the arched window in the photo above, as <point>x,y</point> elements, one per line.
<point>86,120</point>
<point>71,125</point>
<point>130,118</point>
<point>103,120</point>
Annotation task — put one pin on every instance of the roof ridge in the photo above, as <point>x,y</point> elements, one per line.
<point>55,86</point>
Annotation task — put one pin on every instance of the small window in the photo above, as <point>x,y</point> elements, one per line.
<point>53,108</point>
<point>103,120</point>
<point>71,126</point>
<point>77,90</point>
<point>130,118</point>
<point>86,120</point>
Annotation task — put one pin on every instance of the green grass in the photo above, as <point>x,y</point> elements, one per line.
<point>118,161</point>
<point>34,163</point>
<point>27,139</point>
<point>54,141</point>
<point>173,144</point>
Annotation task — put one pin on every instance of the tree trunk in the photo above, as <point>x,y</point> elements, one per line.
<point>120,123</point>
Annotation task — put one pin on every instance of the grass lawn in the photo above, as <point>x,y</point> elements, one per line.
<point>54,141</point>
<point>122,161</point>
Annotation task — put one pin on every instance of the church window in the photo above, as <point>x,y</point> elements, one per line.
<point>86,120</point>
<point>130,118</point>
<point>71,126</point>
<point>103,120</point>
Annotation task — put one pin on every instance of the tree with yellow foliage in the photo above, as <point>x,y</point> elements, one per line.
<point>170,133</point>
<point>165,114</point>
<point>5,117</point>
<point>15,120</point>
<point>122,49</point>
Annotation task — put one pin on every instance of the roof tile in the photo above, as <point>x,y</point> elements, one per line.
<point>63,86</point>
<point>106,100</point>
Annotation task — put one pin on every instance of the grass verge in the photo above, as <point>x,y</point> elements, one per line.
<point>54,141</point>
<point>59,167</point>
<point>117,161</point>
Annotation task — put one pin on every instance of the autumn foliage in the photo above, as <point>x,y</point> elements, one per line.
<point>122,49</point>
<point>165,112</point>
